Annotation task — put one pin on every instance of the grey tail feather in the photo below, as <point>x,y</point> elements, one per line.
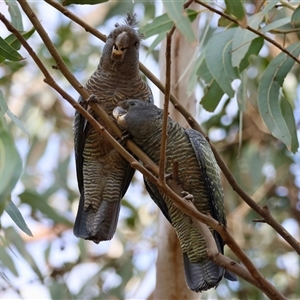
<point>106,217</point>
<point>202,276</point>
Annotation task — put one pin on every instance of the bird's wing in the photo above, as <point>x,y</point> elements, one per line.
<point>210,174</point>
<point>80,128</point>
<point>157,198</point>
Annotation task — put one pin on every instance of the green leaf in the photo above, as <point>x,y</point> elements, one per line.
<point>242,92</point>
<point>9,52</point>
<point>212,96</point>
<point>17,217</point>
<point>158,39</point>
<point>243,37</point>
<point>92,2</point>
<point>295,20</point>
<point>192,14</point>
<point>37,201</point>
<point>269,101</point>
<point>175,11</point>
<point>254,49</point>
<point>7,261</point>
<point>4,108</point>
<point>288,115</point>
<point>59,290</point>
<point>13,236</point>
<point>242,40</point>
<point>10,165</point>
<point>275,24</point>
<point>236,9</point>
<point>217,56</point>
<point>159,25</point>
<point>15,14</point>
<point>14,42</point>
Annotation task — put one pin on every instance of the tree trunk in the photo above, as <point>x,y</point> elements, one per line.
<point>170,279</point>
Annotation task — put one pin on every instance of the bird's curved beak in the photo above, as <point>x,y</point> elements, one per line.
<point>119,114</point>
<point>119,47</point>
<point>117,54</point>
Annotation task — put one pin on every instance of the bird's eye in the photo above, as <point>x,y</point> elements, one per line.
<point>136,43</point>
<point>122,49</point>
<point>132,104</point>
<point>116,47</point>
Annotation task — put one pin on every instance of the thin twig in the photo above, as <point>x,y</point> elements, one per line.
<point>193,123</point>
<point>265,37</point>
<point>164,133</point>
<point>265,286</point>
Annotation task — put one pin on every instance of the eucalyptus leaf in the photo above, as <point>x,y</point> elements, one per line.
<point>8,52</point>
<point>15,14</point>
<point>295,19</point>
<point>15,239</point>
<point>37,201</point>
<point>175,11</point>
<point>10,165</point>
<point>212,96</point>
<point>217,55</point>
<point>7,261</point>
<point>17,217</point>
<point>236,8</point>
<point>269,99</point>
<point>4,108</point>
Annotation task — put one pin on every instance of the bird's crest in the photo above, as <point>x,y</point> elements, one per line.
<point>131,20</point>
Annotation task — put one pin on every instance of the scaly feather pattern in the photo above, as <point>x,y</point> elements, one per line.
<point>198,174</point>
<point>103,175</point>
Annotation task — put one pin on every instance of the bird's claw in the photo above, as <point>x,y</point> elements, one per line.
<point>187,196</point>
<point>92,99</point>
<point>125,135</point>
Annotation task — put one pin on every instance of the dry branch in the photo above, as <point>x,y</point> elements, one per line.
<point>264,285</point>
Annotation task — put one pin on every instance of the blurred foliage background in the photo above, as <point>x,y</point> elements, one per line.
<point>53,263</point>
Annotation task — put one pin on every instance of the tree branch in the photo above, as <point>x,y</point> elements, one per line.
<point>164,136</point>
<point>190,210</point>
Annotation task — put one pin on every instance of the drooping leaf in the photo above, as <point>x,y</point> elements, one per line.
<point>288,115</point>
<point>15,43</point>
<point>159,25</point>
<point>275,24</point>
<point>7,261</point>
<point>59,290</point>
<point>192,14</point>
<point>212,96</point>
<point>10,166</point>
<point>15,239</point>
<point>242,92</point>
<point>254,49</point>
<point>295,20</point>
<point>9,52</point>
<point>175,11</point>
<point>15,14</point>
<point>236,8</point>
<point>158,40</point>
<point>38,202</point>
<point>269,99</point>
<point>92,2</point>
<point>17,217</point>
<point>243,37</point>
<point>217,55</point>
<point>4,108</point>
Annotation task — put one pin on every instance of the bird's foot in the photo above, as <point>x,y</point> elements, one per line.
<point>187,196</point>
<point>92,99</point>
<point>125,136</point>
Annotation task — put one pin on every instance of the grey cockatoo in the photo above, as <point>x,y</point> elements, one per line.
<point>103,175</point>
<point>198,175</point>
